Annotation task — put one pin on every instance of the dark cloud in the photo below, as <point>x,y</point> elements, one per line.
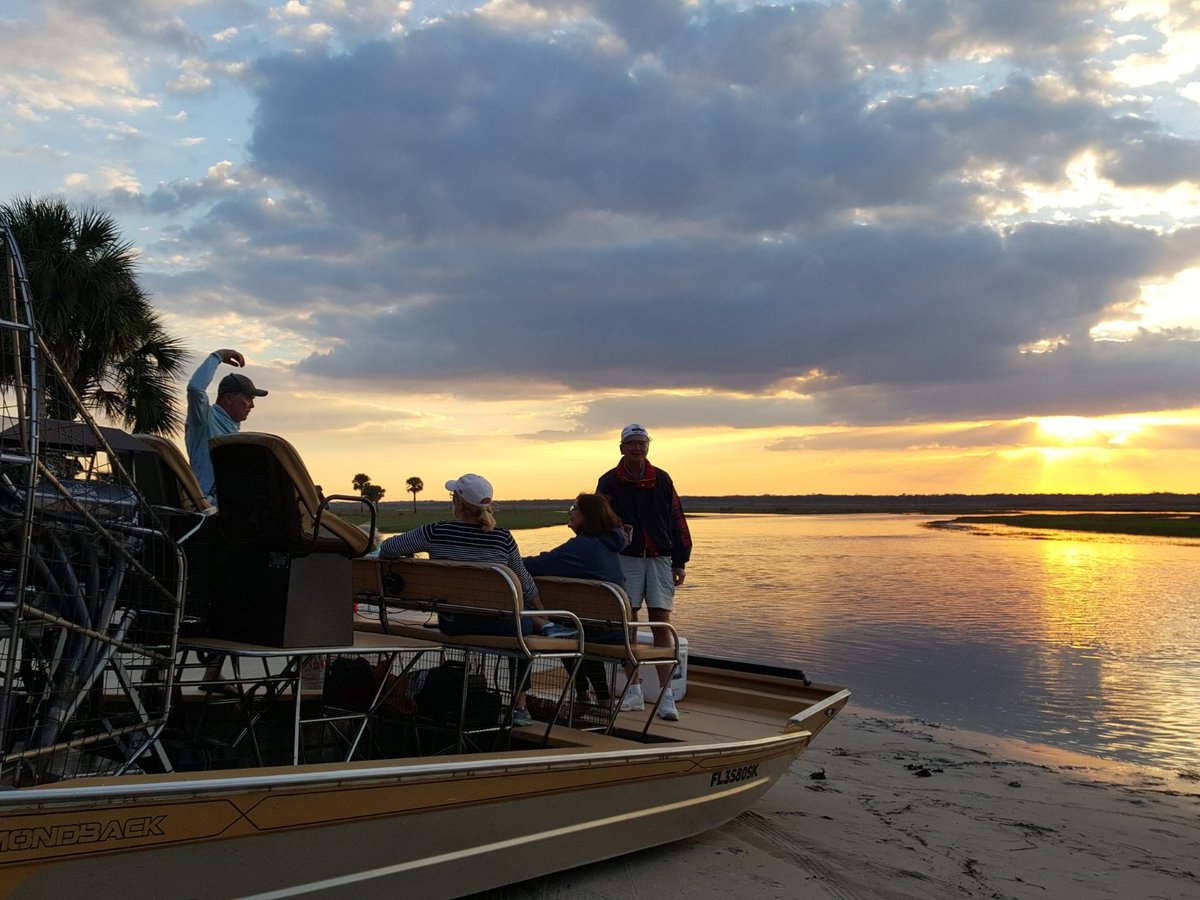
<point>727,201</point>
<point>756,121</point>
<point>139,20</point>
<point>606,416</point>
<point>644,25</point>
<point>1156,161</point>
<point>1084,379</point>
<point>990,436</point>
<point>863,306</point>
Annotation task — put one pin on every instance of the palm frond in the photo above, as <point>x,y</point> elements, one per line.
<point>94,316</point>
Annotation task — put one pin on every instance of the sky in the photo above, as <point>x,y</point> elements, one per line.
<point>818,247</point>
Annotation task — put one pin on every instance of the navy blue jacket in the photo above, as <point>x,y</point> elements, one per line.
<point>652,507</point>
<point>583,556</point>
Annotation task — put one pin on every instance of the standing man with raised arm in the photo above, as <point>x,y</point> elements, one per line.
<point>660,544</point>
<point>235,399</point>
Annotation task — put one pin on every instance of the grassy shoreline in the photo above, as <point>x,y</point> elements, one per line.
<point>1144,524</point>
<point>547,513</point>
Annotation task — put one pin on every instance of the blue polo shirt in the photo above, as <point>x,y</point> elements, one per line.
<point>204,422</point>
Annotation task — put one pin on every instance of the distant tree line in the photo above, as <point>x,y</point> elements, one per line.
<point>943,504</point>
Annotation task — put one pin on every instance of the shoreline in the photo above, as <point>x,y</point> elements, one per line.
<point>1154,515</point>
<point>884,807</point>
<point>1179,525</point>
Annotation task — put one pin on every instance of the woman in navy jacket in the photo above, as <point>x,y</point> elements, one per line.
<point>592,553</point>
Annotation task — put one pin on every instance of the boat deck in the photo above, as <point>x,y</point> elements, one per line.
<point>720,706</point>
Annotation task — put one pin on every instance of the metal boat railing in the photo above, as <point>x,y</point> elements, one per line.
<point>91,583</point>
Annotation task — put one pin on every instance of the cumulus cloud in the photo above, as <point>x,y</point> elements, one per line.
<point>191,79</point>
<point>725,214</point>
<point>738,202</point>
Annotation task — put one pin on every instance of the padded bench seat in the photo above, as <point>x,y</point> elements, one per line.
<point>432,586</point>
<point>468,588</point>
<point>604,606</point>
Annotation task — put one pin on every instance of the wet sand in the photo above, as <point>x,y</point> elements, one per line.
<point>909,809</point>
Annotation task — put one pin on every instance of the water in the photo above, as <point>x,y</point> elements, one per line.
<point>1088,642</point>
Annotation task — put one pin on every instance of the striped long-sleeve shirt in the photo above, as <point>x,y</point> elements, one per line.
<point>463,542</point>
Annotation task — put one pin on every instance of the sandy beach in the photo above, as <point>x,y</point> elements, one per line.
<point>890,807</point>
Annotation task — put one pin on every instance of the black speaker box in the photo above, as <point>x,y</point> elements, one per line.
<point>275,600</point>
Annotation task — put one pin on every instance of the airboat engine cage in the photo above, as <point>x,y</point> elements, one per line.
<point>91,580</point>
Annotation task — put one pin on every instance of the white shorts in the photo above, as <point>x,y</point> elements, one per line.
<point>650,578</point>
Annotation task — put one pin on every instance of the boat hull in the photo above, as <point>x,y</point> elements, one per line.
<point>429,827</point>
<point>435,833</point>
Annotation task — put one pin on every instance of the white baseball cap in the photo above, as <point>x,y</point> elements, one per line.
<point>633,431</point>
<point>475,489</point>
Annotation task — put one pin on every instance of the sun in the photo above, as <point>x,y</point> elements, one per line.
<point>1071,430</point>
<point>1103,432</point>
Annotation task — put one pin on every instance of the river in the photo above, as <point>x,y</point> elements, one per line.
<point>1087,642</point>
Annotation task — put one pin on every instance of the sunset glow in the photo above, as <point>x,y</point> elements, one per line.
<point>929,250</point>
<point>1072,430</point>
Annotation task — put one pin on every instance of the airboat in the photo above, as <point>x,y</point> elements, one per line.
<point>247,703</point>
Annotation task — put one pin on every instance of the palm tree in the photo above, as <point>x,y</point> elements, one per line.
<point>360,482</point>
<point>415,486</point>
<point>94,317</point>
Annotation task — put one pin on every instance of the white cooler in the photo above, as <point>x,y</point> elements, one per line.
<point>650,673</point>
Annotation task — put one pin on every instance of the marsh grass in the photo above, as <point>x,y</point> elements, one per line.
<point>397,517</point>
<point>1146,524</point>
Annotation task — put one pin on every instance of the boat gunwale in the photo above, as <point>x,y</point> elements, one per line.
<point>824,706</point>
<point>332,774</point>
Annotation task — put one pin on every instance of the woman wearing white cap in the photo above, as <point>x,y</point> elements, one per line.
<point>473,536</point>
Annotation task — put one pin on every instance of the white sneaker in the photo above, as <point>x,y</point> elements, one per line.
<point>633,699</point>
<point>666,709</point>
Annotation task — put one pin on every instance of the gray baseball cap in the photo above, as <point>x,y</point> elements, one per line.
<point>234,383</point>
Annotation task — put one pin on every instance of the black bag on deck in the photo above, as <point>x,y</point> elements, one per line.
<point>441,697</point>
<point>350,683</point>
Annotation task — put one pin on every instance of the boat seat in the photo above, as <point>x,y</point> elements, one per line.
<point>177,476</point>
<point>482,590</point>
<point>184,501</point>
<point>607,617</point>
<point>464,588</point>
<point>268,501</point>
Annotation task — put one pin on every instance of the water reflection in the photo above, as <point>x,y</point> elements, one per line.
<point>1088,642</point>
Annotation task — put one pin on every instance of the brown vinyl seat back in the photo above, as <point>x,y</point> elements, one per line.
<point>267,500</point>
<point>432,584</point>
<point>604,607</point>
<point>429,586</point>
<point>595,602</point>
<point>608,622</point>
<point>177,476</point>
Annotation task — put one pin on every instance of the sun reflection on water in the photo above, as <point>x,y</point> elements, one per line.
<point>1089,642</point>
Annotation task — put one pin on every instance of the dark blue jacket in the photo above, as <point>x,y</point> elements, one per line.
<point>583,556</point>
<point>652,507</point>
